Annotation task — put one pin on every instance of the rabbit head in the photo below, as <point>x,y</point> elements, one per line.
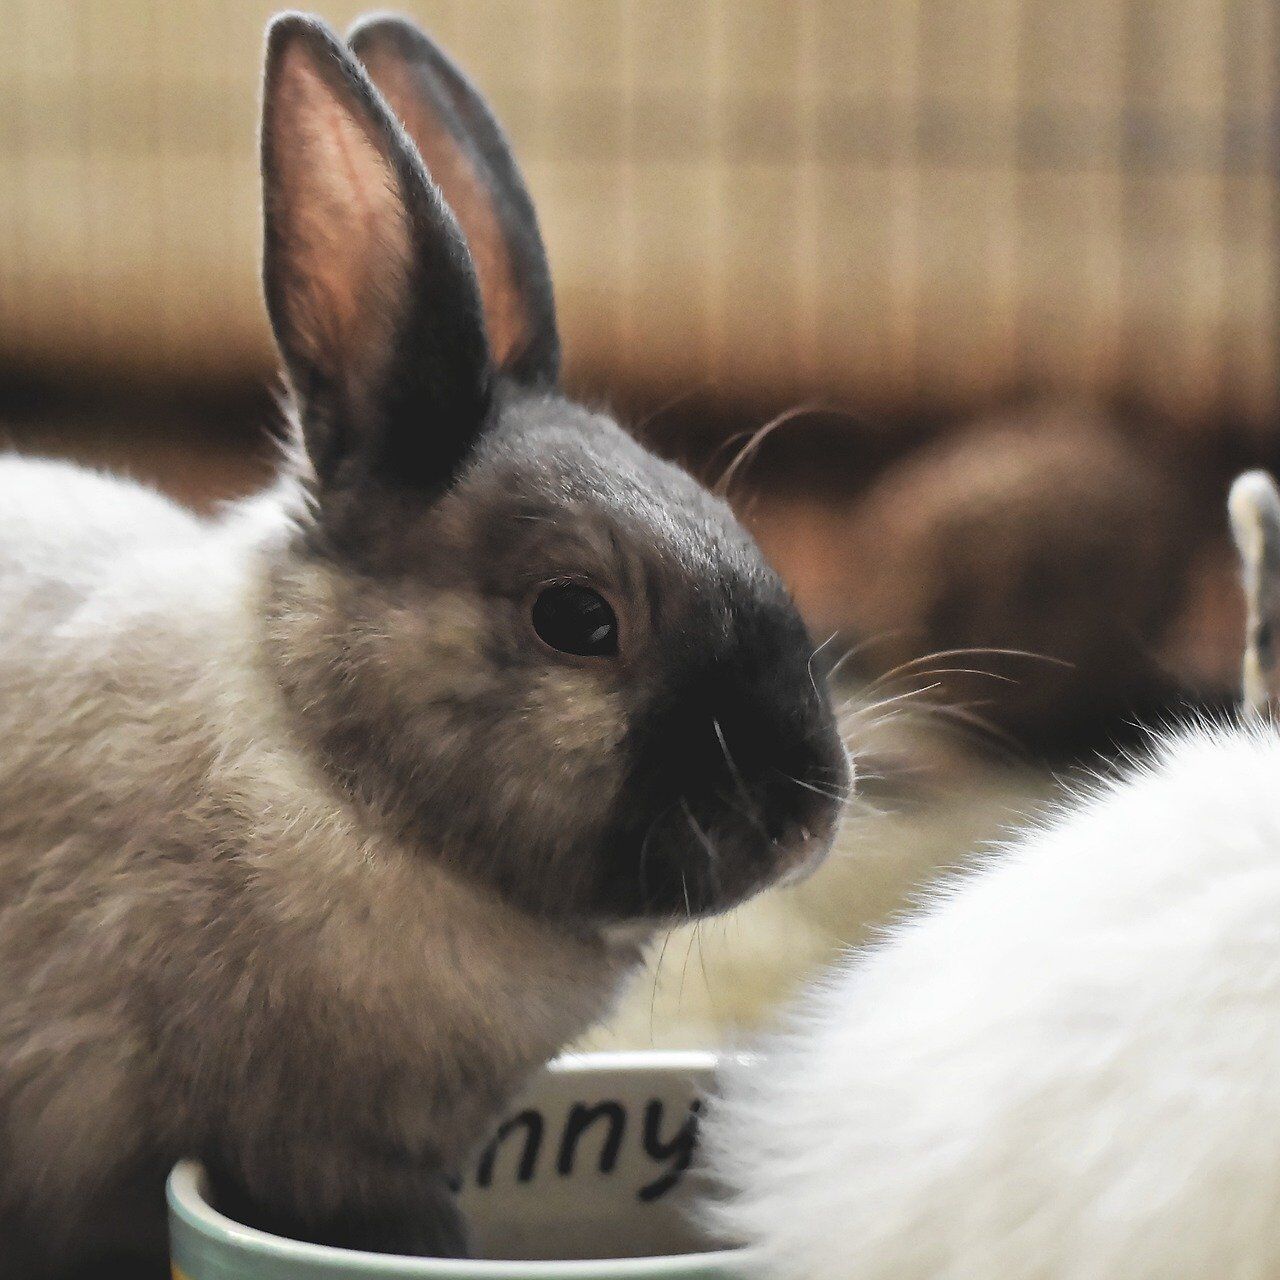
<point>538,652</point>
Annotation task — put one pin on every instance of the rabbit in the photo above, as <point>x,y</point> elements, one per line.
<point>1043,529</point>
<point>1065,1066</point>
<point>326,821</point>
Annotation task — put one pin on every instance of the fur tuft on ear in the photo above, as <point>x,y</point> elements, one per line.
<point>1254,508</point>
<point>467,154</point>
<point>369,283</point>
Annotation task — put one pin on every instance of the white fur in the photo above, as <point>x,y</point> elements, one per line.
<point>1068,1066</point>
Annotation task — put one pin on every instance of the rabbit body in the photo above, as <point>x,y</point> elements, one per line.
<point>1065,1067</point>
<point>203,944</point>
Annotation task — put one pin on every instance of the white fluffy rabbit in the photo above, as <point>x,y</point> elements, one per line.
<point>1068,1066</point>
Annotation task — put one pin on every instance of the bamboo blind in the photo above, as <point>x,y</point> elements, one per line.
<point>884,199</point>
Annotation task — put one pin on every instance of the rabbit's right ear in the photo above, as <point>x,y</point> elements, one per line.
<point>1254,507</point>
<point>369,283</point>
<point>466,152</point>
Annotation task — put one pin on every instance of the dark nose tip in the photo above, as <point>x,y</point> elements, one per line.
<point>790,834</point>
<point>775,743</point>
<point>803,808</point>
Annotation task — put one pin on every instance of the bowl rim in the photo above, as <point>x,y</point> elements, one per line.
<point>185,1194</point>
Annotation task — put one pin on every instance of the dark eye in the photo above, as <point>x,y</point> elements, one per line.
<point>575,619</point>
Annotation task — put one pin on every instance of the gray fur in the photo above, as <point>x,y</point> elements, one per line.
<point>311,851</point>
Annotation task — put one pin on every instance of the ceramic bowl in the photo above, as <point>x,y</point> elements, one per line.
<point>586,1178</point>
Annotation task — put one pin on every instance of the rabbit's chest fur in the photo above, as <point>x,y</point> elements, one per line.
<point>203,946</point>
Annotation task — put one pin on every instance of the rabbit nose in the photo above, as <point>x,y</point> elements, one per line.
<point>802,857</point>
<point>805,798</point>
<point>802,821</point>
<point>789,834</point>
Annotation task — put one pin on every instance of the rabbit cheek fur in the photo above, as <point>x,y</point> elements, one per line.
<point>1066,1067</point>
<point>311,849</point>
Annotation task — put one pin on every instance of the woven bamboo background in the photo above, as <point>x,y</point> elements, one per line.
<point>885,200</point>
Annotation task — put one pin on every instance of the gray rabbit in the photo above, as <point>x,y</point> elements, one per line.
<point>324,823</point>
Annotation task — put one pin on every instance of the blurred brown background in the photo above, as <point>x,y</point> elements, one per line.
<point>889,218</point>
<point>889,202</point>
<point>989,288</point>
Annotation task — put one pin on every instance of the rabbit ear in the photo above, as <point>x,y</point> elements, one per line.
<point>369,283</point>
<point>467,154</point>
<point>1254,507</point>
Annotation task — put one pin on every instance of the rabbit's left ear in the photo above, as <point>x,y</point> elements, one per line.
<point>369,285</point>
<point>1254,507</point>
<point>467,155</point>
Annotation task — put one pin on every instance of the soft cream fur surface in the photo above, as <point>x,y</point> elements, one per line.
<point>1064,1067</point>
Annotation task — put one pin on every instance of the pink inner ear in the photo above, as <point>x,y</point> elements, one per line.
<point>343,227</point>
<point>456,174</point>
